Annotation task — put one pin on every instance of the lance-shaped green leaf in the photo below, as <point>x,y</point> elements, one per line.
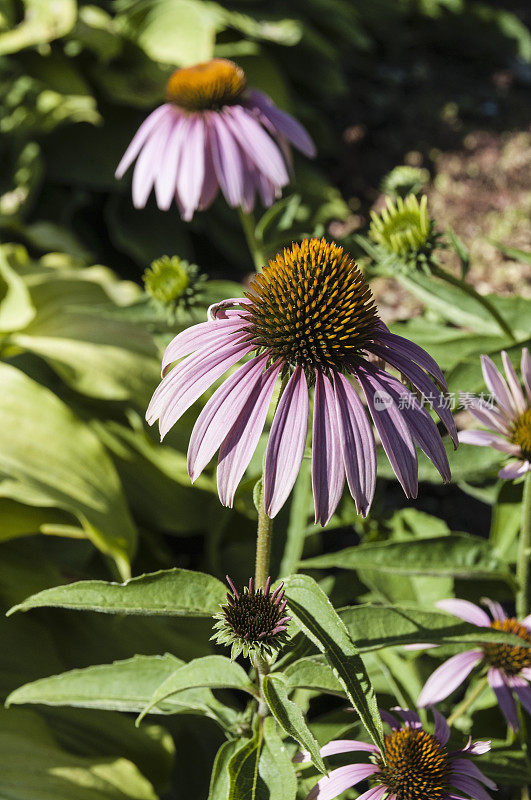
<point>219,779</point>
<point>121,686</point>
<point>172,592</point>
<point>276,767</point>
<point>458,555</point>
<point>243,768</point>
<point>214,672</point>
<point>313,673</point>
<point>374,627</point>
<point>290,717</point>
<point>314,612</point>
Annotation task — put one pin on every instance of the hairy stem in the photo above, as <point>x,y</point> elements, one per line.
<point>468,701</point>
<point>468,289</point>
<point>524,552</point>
<point>263,557</point>
<point>248,225</point>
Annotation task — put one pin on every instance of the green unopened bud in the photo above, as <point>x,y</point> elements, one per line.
<point>173,282</point>
<point>404,227</point>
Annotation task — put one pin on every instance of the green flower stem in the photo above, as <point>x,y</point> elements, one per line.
<point>468,701</point>
<point>468,289</point>
<point>263,556</point>
<point>248,225</point>
<point>524,552</point>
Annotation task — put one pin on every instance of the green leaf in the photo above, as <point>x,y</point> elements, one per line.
<point>32,765</point>
<point>290,717</point>
<point>75,474</point>
<point>276,767</point>
<point>215,672</point>
<point>459,555</point>
<point>219,779</point>
<point>43,22</point>
<point>514,252</point>
<point>506,520</point>
<point>374,627</point>
<point>173,592</point>
<point>320,622</point>
<point>16,307</point>
<point>313,673</point>
<point>462,251</point>
<point>243,768</point>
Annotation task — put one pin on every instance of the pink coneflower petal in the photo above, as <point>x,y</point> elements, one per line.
<point>442,731</point>
<point>505,699</point>
<point>466,767</point>
<point>335,747</point>
<point>514,470</point>
<point>256,143</point>
<point>357,444</point>
<point>374,794</point>
<point>491,417</point>
<point>227,159</point>
<point>514,384</point>
<point>240,443</point>
<point>487,439</point>
<point>465,610</point>
<point>340,779</point>
<point>284,123</point>
<point>448,677</point>
<point>497,384</point>
<point>495,608</point>
<point>412,351</point>
<point>166,179</point>
<point>287,440</point>
<point>210,186</point>
<point>148,163</point>
<point>220,413</point>
<point>394,433</point>
<point>525,367</point>
<point>389,718</point>
<point>411,718</point>
<point>472,787</point>
<point>198,336</point>
<point>523,690</point>
<point>192,166</point>
<point>140,137</point>
<point>527,622</point>
<point>328,474</point>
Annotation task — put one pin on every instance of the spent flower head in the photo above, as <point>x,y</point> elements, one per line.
<point>253,621</point>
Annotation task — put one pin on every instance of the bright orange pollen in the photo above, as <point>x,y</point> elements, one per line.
<point>210,85</point>
<point>416,766</point>
<point>311,307</point>
<point>511,658</point>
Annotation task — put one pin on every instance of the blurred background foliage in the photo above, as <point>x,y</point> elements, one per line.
<point>85,488</point>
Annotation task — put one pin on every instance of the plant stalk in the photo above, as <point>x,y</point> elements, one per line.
<point>524,552</point>
<point>468,289</point>
<point>468,701</point>
<point>263,557</point>
<point>248,225</point>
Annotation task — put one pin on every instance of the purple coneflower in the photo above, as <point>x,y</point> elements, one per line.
<point>510,420</point>
<point>253,621</point>
<point>509,666</point>
<point>309,318</point>
<point>213,132</point>
<point>414,765</point>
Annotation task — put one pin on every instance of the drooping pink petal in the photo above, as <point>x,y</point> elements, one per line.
<point>227,159</point>
<point>448,677</point>
<point>287,440</point>
<point>240,443</point>
<point>495,608</point>
<point>376,793</point>
<point>464,783</point>
<point>335,747</point>
<point>442,731</point>
<point>148,163</point>
<point>491,417</point>
<point>340,779</point>
<point>192,165</point>
<point>412,351</point>
<point>357,443</point>
<point>230,307</point>
<point>497,384</point>
<point>283,123</point>
<point>422,382</point>
<point>514,384</point>
<point>166,178</point>
<point>488,439</point>
<point>210,186</point>
<point>523,690</point>
<point>389,718</point>
<point>466,767</point>
<point>198,336</point>
<point>411,718</point>
<point>256,143</point>
<point>503,694</point>
<point>390,424</point>
<point>220,413</point>
<point>514,470</point>
<point>466,610</point>
<point>141,136</point>
<point>525,368</point>
<point>328,474</point>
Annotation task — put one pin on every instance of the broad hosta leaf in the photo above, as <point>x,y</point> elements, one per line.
<point>43,22</point>
<point>290,717</point>
<point>319,620</point>
<point>172,592</point>
<point>32,765</point>
<point>373,627</point>
<point>458,555</point>
<point>276,767</point>
<point>313,673</point>
<point>75,473</point>
<point>243,768</point>
<point>214,672</point>
<point>16,307</point>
